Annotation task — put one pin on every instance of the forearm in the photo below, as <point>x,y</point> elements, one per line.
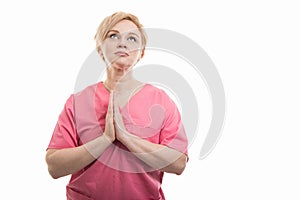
<point>155,155</point>
<point>62,162</point>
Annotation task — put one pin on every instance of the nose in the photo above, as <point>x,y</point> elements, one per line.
<point>122,43</point>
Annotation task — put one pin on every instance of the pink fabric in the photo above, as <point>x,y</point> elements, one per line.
<point>117,173</point>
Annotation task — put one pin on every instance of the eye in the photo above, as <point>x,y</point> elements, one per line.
<point>132,39</point>
<point>113,36</point>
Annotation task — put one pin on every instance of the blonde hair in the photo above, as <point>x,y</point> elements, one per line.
<point>110,21</point>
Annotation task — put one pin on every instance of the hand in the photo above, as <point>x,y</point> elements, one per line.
<point>109,131</point>
<point>120,129</point>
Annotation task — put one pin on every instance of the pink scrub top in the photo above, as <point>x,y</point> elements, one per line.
<point>118,173</point>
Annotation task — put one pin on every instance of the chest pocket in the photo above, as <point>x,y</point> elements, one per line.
<point>147,124</point>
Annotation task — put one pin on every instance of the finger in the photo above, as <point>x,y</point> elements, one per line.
<point>115,106</point>
<point>118,118</point>
<point>110,107</point>
<point>116,111</point>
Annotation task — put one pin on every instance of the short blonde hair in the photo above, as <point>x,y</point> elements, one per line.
<point>110,21</point>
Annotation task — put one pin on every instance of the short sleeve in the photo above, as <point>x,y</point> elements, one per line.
<point>173,133</point>
<point>64,134</point>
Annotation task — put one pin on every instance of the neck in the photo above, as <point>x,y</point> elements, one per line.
<point>119,80</point>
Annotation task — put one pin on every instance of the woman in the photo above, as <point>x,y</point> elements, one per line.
<point>118,137</point>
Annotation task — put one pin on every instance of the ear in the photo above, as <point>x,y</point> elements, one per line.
<point>141,55</point>
<point>99,50</point>
<point>143,52</point>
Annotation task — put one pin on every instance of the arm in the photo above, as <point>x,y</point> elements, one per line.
<point>62,162</point>
<point>156,155</point>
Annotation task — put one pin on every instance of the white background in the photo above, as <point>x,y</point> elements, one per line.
<point>254,45</point>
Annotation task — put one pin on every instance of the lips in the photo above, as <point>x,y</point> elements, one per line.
<point>121,53</point>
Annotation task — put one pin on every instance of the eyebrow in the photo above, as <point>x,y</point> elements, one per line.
<point>129,33</point>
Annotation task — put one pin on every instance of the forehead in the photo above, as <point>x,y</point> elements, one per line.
<point>125,26</point>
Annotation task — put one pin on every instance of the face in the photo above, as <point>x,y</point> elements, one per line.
<point>122,47</point>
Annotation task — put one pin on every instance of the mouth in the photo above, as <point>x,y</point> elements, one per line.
<point>121,53</point>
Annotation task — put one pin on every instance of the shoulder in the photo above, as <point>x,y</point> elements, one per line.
<point>154,90</point>
<point>158,94</point>
<point>88,89</point>
<point>82,95</point>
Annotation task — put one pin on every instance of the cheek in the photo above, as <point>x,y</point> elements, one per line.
<point>136,54</point>
<point>107,53</point>
<point>106,49</point>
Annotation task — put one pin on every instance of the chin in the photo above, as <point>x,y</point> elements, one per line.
<point>122,65</point>
<point>121,70</point>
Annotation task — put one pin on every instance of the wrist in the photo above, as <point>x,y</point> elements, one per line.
<point>122,136</point>
<point>125,137</point>
<point>109,139</point>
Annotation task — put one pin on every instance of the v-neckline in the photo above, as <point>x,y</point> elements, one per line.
<point>140,88</point>
<point>136,93</point>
